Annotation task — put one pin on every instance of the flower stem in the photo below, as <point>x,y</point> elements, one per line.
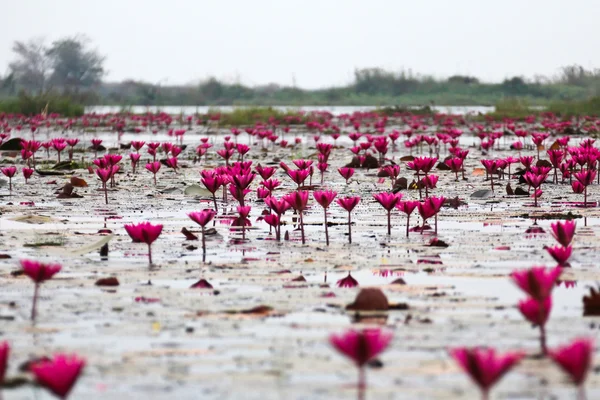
<point>361,383</point>
<point>389,216</point>
<point>35,298</point>
<point>302,227</point>
<point>543,340</point>
<point>349,229</point>
<point>326,230</point>
<point>581,395</point>
<point>407,224</point>
<point>203,246</point>
<point>149,255</point>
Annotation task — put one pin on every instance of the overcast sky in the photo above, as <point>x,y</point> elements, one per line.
<point>319,42</point>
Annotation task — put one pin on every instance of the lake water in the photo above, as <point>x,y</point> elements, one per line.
<point>336,110</point>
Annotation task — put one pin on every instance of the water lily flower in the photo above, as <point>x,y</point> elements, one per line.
<point>348,204</point>
<point>202,218</point>
<point>324,198</point>
<point>388,201</point>
<point>298,200</point>
<point>560,254</point>
<point>144,232</point>
<point>537,282</point>
<point>575,359</point>
<point>4,353</point>
<point>346,173</point>
<point>563,232</point>
<point>361,347</point>
<point>153,167</point>
<point>59,374</point>
<point>347,282</point>
<point>9,172</point>
<point>39,273</point>
<point>537,312</point>
<point>485,366</point>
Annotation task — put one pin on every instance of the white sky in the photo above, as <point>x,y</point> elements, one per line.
<point>320,42</point>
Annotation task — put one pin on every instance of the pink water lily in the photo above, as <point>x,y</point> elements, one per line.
<point>575,359</point>
<point>563,232</point>
<point>485,366</point>
<point>537,282</point>
<point>361,347</point>
<point>59,374</point>
<point>144,232</point>
<point>39,273</point>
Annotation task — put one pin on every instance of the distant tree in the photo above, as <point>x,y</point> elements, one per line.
<point>467,80</point>
<point>75,66</point>
<point>32,67</point>
<point>211,89</point>
<point>515,85</point>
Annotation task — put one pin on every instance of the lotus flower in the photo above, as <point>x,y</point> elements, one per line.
<point>360,347</point>
<point>59,374</point>
<point>298,200</point>
<point>9,172</point>
<point>153,167</point>
<point>348,204</point>
<point>347,282</point>
<point>4,353</point>
<point>560,254</point>
<point>537,312</point>
<point>407,207</point>
<point>537,282</point>
<point>575,359</point>
<point>39,273</point>
<point>485,366</point>
<point>563,232</point>
<point>202,218</point>
<point>324,198</point>
<point>144,232</point>
<point>388,201</point>
<point>346,173</point>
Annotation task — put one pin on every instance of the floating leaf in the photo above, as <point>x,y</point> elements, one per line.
<point>78,182</point>
<point>482,194</point>
<point>92,247</point>
<point>112,281</point>
<point>197,190</point>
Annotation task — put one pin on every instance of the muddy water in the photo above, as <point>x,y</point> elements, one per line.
<point>188,343</point>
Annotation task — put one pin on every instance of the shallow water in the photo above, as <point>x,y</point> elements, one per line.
<point>195,343</point>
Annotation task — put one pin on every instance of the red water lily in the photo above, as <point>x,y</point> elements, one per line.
<point>537,282</point>
<point>361,346</point>
<point>348,204</point>
<point>39,273</point>
<point>202,218</point>
<point>324,198</point>
<point>484,365</point>
<point>537,312</point>
<point>59,374</point>
<point>575,359</point>
<point>563,232</point>
<point>388,201</point>
<point>144,232</point>
<point>4,353</point>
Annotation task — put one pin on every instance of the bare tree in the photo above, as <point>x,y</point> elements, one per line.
<point>75,66</point>
<point>31,68</point>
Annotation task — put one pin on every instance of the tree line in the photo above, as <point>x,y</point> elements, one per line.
<point>72,67</point>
